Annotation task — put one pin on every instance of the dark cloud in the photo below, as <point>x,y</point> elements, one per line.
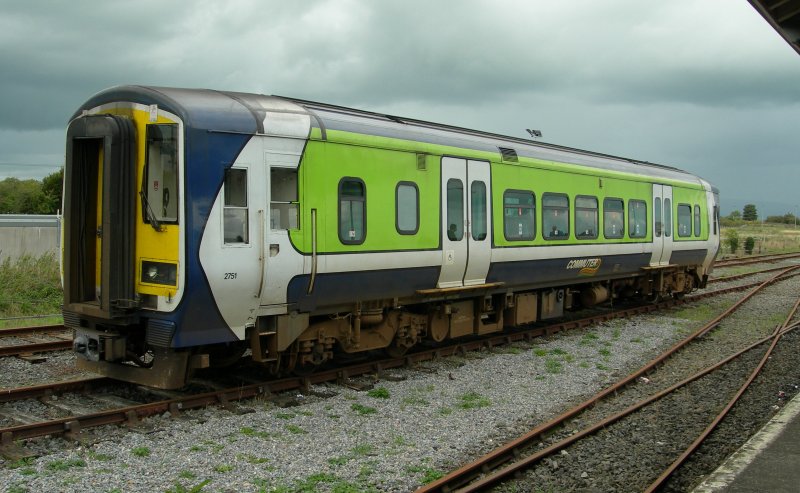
<point>707,86</point>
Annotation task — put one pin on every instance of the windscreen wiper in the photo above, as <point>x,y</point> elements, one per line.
<point>151,216</point>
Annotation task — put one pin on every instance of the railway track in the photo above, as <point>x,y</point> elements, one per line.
<point>31,340</point>
<point>131,412</point>
<point>525,452</point>
<point>756,259</point>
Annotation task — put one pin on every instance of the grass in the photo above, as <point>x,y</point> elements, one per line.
<point>140,451</point>
<point>363,410</point>
<point>770,238</point>
<point>473,400</point>
<point>296,430</point>
<point>541,352</point>
<point>30,286</point>
<point>64,465</point>
<point>379,393</point>
<point>553,365</point>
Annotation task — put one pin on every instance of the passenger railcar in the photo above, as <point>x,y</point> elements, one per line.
<point>201,224</point>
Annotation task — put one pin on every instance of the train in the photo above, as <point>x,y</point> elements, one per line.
<point>202,227</point>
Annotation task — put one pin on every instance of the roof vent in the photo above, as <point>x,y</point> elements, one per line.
<point>509,155</point>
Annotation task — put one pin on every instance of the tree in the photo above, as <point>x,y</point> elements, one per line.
<point>52,186</point>
<point>749,212</point>
<point>735,215</point>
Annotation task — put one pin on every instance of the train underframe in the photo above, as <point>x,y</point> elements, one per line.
<point>299,343</point>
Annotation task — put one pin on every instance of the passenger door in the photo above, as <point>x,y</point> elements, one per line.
<point>466,222</point>
<point>662,224</point>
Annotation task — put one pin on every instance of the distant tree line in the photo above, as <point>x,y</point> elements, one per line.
<point>31,196</point>
<point>750,213</point>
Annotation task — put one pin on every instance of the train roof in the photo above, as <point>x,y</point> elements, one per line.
<point>207,109</point>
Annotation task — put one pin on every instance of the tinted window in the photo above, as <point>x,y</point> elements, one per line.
<point>657,216</point>
<point>684,220</point>
<point>407,203</point>
<point>613,218</point>
<point>478,208</point>
<point>555,216</point>
<point>455,209</point>
<point>697,220</point>
<point>160,187</point>
<point>585,217</point>
<point>519,215</point>
<point>352,211</point>
<point>235,220</point>
<point>667,217</point>
<point>637,218</point>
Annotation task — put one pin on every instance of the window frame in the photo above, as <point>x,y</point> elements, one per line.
<point>596,216</point>
<point>339,201</point>
<point>621,234</point>
<point>533,213</point>
<point>678,217</point>
<point>566,234</point>
<point>397,208</point>
<point>246,207</point>
<point>630,217</point>
<point>458,215</point>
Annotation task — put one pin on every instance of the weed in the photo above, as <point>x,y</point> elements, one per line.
<point>140,451</point>
<point>602,367</point>
<point>552,365</point>
<point>379,393</point>
<point>27,471</point>
<point>339,461</point>
<point>363,449</point>
<point>25,461</point>
<point>223,468</point>
<point>445,411</point>
<point>363,410</point>
<point>179,488</point>
<point>617,333</point>
<point>557,351</point>
<point>63,465</point>
<point>295,430</point>
<point>472,400</point>
<point>414,400</point>
<point>637,340</point>
<point>540,352</point>
<point>604,352</point>
<point>584,364</point>
<point>588,338</point>
<point>98,456</point>
<point>187,475</point>
<point>252,432</point>
<point>284,415</point>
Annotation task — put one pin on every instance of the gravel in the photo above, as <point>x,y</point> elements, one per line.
<point>413,426</point>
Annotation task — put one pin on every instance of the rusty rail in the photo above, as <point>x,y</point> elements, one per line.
<point>510,451</point>
<point>756,259</point>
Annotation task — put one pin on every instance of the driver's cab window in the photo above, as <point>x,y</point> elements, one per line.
<point>160,190</point>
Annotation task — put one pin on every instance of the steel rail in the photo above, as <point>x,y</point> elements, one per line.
<point>44,390</point>
<point>35,347</point>
<point>776,336</point>
<point>509,451</point>
<point>134,413</point>
<point>24,331</point>
<point>756,259</point>
<point>741,276</point>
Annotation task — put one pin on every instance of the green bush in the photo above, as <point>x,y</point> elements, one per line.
<point>732,240</point>
<point>749,243</point>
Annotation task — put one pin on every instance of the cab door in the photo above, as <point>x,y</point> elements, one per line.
<point>662,224</point>
<point>466,222</point>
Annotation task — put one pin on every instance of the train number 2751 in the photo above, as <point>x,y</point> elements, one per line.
<point>230,275</point>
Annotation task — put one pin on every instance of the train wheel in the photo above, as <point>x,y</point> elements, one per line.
<point>395,351</point>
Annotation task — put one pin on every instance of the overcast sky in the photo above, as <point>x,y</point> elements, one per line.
<point>704,85</point>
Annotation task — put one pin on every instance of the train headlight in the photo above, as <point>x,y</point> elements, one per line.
<point>159,273</point>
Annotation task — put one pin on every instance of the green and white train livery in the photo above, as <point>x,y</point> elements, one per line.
<point>200,224</point>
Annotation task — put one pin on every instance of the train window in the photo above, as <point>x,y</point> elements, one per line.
<point>684,220</point>
<point>519,215</point>
<point>637,218</point>
<point>613,218</point>
<point>696,220</point>
<point>585,217</point>
<point>478,210</point>
<point>284,211</point>
<point>555,216</point>
<point>455,209</point>
<point>407,208</point>
<point>667,217</point>
<point>235,224</point>
<point>160,181</point>
<point>352,211</point>
<point>657,216</point>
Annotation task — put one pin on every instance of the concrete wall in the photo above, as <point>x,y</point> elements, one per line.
<point>23,234</point>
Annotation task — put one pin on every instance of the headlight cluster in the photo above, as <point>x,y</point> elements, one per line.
<point>159,273</point>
